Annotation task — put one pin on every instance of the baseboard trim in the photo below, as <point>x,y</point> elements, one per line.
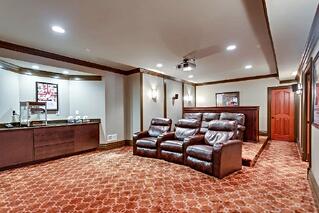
<point>115,145</point>
<point>314,187</point>
<point>263,133</point>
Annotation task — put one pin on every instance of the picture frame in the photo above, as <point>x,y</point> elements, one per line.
<point>49,93</point>
<point>227,99</point>
<point>315,92</point>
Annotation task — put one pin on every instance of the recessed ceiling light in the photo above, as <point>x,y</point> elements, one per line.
<point>65,72</point>
<point>231,47</point>
<point>35,67</point>
<point>56,76</point>
<point>191,76</point>
<point>247,67</point>
<point>28,73</point>
<point>159,65</point>
<point>77,78</point>
<point>57,29</point>
<point>1,66</point>
<point>294,73</point>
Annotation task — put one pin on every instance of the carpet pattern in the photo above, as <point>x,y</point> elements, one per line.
<point>117,181</point>
<point>252,151</point>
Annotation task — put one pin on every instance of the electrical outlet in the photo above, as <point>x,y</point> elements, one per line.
<point>109,137</point>
<point>114,137</point>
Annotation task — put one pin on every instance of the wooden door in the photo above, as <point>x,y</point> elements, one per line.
<point>282,114</point>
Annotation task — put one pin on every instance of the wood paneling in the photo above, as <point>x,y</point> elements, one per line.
<point>251,113</point>
<point>16,147</point>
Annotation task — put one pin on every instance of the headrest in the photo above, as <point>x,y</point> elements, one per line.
<point>161,121</point>
<point>195,115</point>
<point>239,117</point>
<point>188,123</point>
<point>220,125</point>
<point>208,116</point>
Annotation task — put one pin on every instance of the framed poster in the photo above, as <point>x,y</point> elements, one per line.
<point>227,99</point>
<point>315,89</point>
<point>49,93</point>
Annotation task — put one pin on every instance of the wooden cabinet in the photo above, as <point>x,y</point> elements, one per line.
<point>16,147</point>
<point>53,142</point>
<point>86,137</point>
<point>20,146</point>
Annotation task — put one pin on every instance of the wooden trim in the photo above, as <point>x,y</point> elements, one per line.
<point>183,95</point>
<point>58,57</point>
<point>42,73</point>
<point>269,98</point>
<point>270,35</point>
<point>314,186</point>
<point>195,96</point>
<point>165,97</point>
<point>292,81</point>
<point>311,43</point>
<point>141,102</point>
<point>112,145</point>
<point>165,76</point>
<point>133,71</point>
<point>238,79</point>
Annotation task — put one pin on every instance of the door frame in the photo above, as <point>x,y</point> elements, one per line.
<point>304,108</point>
<point>269,98</point>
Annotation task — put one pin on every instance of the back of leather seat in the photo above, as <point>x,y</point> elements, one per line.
<point>159,126</point>
<point>239,117</point>
<point>220,131</point>
<point>193,115</point>
<point>207,117</point>
<point>186,127</point>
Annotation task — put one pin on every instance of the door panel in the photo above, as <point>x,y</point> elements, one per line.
<point>282,114</point>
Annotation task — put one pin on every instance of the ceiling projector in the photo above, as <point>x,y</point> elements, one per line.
<point>187,65</point>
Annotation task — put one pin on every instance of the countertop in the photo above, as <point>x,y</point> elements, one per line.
<point>52,123</point>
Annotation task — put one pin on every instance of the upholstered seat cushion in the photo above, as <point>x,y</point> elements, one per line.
<point>148,142</point>
<point>202,152</point>
<point>172,145</point>
<point>241,127</point>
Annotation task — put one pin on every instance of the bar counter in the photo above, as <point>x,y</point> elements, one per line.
<point>24,145</point>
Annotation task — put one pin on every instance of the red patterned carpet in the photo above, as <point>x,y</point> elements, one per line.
<point>252,151</point>
<point>117,181</point>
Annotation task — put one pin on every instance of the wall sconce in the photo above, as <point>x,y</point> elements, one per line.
<point>154,94</point>
<point>175,97</point>
<point>297,88</point>
<point>188,98</point>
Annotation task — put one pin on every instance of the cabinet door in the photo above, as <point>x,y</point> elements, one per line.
<point>53,141</point>
<point>16,147</point>
<point>86,137</point>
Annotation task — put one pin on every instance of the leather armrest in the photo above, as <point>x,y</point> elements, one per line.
<point>166,136</point>
<point>193,140</point>
<point>139,135</point>
<point>227,157</point>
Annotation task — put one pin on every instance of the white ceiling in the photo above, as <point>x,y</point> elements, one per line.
<point>290,22</point>
<point>142,33</point>
<point>42,67</point>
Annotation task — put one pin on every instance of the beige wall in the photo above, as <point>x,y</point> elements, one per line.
<point>151,108</point>
<point>174,110</point>
<point>315,140</point>
<point>252,93</point>
<point>132,100</point>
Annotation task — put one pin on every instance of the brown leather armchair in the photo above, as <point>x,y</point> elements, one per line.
<point>216,153</point>
<point>172,145</point>
<point>193,115</point>
<point>146,143</point>
<point>240,118</point>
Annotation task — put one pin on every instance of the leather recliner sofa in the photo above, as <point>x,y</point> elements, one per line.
<point>216,153</point>
<point>173,145</point>
<point>205,118</point>
<point>146,143</point>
